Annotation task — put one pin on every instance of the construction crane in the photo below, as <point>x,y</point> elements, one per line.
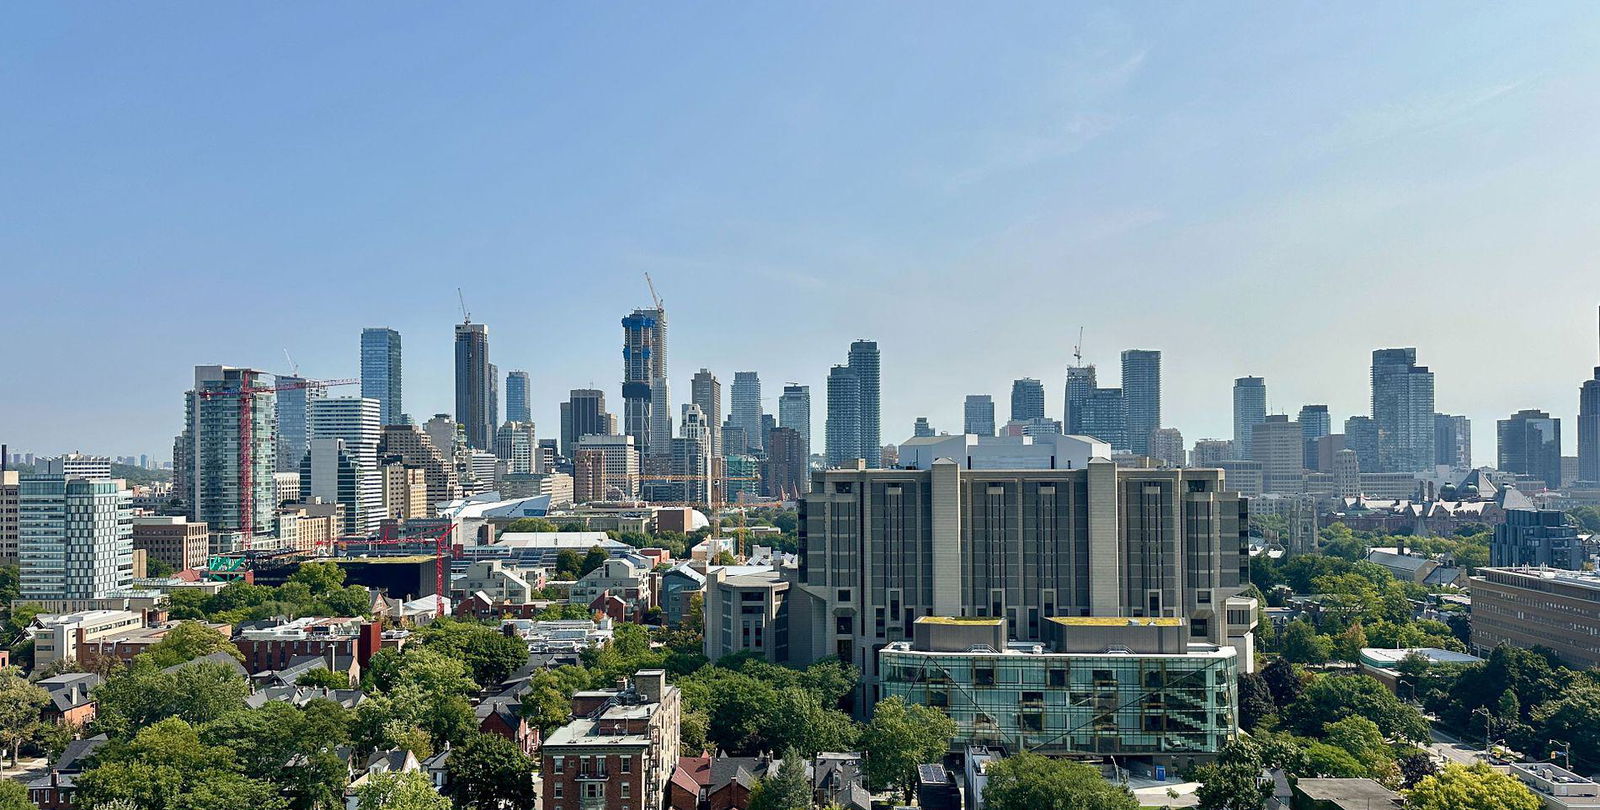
<point>466,317</point>
<point>391,535</point>
<point>1077,351</point>
<point>653,296</point>
<point>246,395</point>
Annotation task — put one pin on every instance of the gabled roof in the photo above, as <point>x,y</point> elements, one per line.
<point>223,658</point>
<point>71,690</point>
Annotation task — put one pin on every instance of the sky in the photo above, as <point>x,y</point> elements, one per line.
<point>1252,188</point>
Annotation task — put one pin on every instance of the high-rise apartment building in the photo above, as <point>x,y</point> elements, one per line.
<point>75,538</point>
<point>705,390</point>
<point>415,448</point>
<point>342,464</point>
<point>10,481</point>
<point>644,360</point>
<point>1589,430</point>
<point>293,395</point>
<point>213,476</point>
<point>516,445</point>
<point>519,404</point>
<point>1141,386</point>
<point>784,473</point>
<point>1452,441</point>
<point>692,459</point>
<point>1080,384</point>
<point>583,414</point>
<point>978,415</point>
<point>921,429</point>
<point>1249,410</point>
<point>1277,444</point>
<point>1361,437</point>
<point>883,548</point>
<point>864,363</point>
<point>844,417</point>
<point>1027,400</point>
<point>1104,416</point>
<point>660,444</point>
<point>794,412</point>
<point>474,384</point>
<point>1211,452</point>
<point>1530,444</point>
<point>380,372</point>
<point>494,400</point>
<point>746,408</point>
<point>605,468</point>
<point>1314,424</point>
<point>1166,445</point>
<point>1402,408</point>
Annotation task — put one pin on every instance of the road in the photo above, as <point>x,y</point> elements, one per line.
<point>1450,749</point>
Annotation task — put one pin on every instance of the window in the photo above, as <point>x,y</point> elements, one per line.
<point>626,763</point>
<point>1032,721</point>
<point>594,790</point>
<point>1057,677</point>
<point>558,763</point>
<point>627,790</point>
<point>983,676</point>
<point>555,789</point>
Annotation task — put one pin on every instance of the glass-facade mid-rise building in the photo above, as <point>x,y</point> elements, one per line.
<point>75,538</point>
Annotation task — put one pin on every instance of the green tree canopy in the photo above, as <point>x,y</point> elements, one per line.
<point>20,704</point>
<point>534,524</point>
<point>166,766</point>
<point>491,773</point>
<point>900,737</point>
<point>143,695</point>
<point>1255,700</point>
<point>1028,781</point>
<point>188,641</point>
<point>408,790</point>
<point>1331,698</point>
<point>490,654</point>
<point>788,789</point>
<point>1477,787</point>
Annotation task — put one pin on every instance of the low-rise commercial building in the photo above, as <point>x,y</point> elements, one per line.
<point>1558,788</point>
<point>63,638</point>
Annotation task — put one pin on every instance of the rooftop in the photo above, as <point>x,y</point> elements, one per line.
<point>1385,658</point>
<point>1117,621</point>
<point>959,620</point>
<point>1349,792</point>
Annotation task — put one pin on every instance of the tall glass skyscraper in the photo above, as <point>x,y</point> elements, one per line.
<point>978,415</point>
<point>1027,400</point>
<point>1530,444</point>
<point>1141,387</point>
<point>1589,430</point>
<point>519,407</point>
<point>864,364</point>
<point>474,382</point>
<point>844,417</point>
<point>746,408</point>
<point>380,373</point>
<point>1080,384</point>
<point>1402,407</point>
<point>794,412</point>
<point>1314,424</point>
<point>644,358</point>
<point>1249,410</point>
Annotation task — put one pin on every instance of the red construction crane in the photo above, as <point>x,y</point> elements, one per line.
<point>390,536</point>
<point>245,393</point>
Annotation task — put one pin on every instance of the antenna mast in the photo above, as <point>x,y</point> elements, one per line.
<point>466,317</point>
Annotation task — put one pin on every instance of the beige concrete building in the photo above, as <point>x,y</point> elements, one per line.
<point>63,638</point>
<point>416,449</point>
<point>405,492</point>
<point>1278,445</point>
<point>744,610</point>
<point>309,526</point>
<point>1524,607</point>
<point>9,503</point>
<point>605,468</point>
<point>173,540</point>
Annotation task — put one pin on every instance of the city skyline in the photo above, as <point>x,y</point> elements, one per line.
<point>1265,235</point>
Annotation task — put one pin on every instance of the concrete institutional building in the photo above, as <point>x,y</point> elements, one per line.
<point>1527,607</point>
<point>474,385</point>
<point>380,372</point>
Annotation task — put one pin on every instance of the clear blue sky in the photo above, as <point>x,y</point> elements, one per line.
<point>1269,188</point>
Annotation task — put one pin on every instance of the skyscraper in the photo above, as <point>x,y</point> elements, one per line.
<point>343,466</point>
<point>583,414</point>
<point>692,458</point>
<point>75,537</point>
<point>213,477</point>
<point>292,398</point>
<point>1314,424</point>
<point>844,417</point>
<point>516,444</point>
<point>1249,410</point>
<point>1589,430</point>
<point>644,359</point>
<point>794,412</point>
<point>1104,415</point>
<point>519,406</point>
<point>1027,400</point>
<point>1141,386</point>
<point>705,390</point>
<point>864,364</point>
<point>473,383</point>
<point>1452,441</point>
<point>1402,407</point>
<point>783,474</point>
<point>1080,384</point>
<point>380,372</point>
<point>1361,437</point>
<point>1278,445</point>
<point>1166,444</point>
<point>660,444</point>
<point>1530,444</point>
<point>978,415</point>
<point>746,408</point>
<point>494,400</point>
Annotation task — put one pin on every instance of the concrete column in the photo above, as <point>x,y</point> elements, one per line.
<point>945,487</point>
<point>1105,559</point>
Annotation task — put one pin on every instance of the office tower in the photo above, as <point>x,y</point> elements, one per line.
<point>1402,408</point>
<point>692,459</point>
<point>494,399</point>
<point>660,444</point>
<point>921,429</point>
<point>516,445</point>
<point>1589,430</point>
<point>1278,445</point>
<point>844,418</point>
<point>75,538</point>
<point>1530,444</point>
<point>794,412</point>
<point>1346,473</point>
<point>1105,417</point>
<point>732,438</point>
<point>1314,424</point>
<point>746,408</point>
<point>1249,410</point>
<point>978,415</point>
<point>1080,384</point>
<point>293,396</point>
<point>1141,386</point>
<point>705,390</point>
<point>519,405</point>
<point>864,364</point>
<point>341,464</point>
<point>10,481</point>
<point>783,474</point>
<point>474,379</point>
<point>1361,436</point>
<point>768,422</point>
<point>1452,441</point>
<point>644,360</point>
<point>605,468</point>
<point>210,448</point>
<point>416,448</point>
<point>1027,400</point>
<point>1110,543</point>
<point>380,372</point>
<point>1211,452</point>
<point>584,414</point>
<point>1166,445</point>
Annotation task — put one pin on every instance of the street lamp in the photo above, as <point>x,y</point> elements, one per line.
<point>1566,750</point>
<point>1488,726</point>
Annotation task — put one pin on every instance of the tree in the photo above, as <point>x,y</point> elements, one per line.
<point>156,568</point>
<point>14,796</point>
<point>1477,787</point>
<point>1347,645</point>
<point>724,558</point>
<point>789,789</point>
<point>490,654</point>
<point>900,737</point>
<point>1255,700</point>
<point>1028,781</point>
<point>1414,767</point>
<point>20,704</point>
<point>546,704</point>
<point>324,678</point>
<point>319,577</point>
<point>1331,761</point>
<point>1283,681</point>
<point>1573,717</point>
<point>490,772</point>
<point>1331,698</point>
<point>167,767</point>
<point>1360,738</point>
<point>409,790</point>
<point>188,641</point>
<point>569,564</point>
<point>800,723</point>
<point>1302,645</point>
<point>535,524</point>
<point>596,557</point>
<point>1232,783</point>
